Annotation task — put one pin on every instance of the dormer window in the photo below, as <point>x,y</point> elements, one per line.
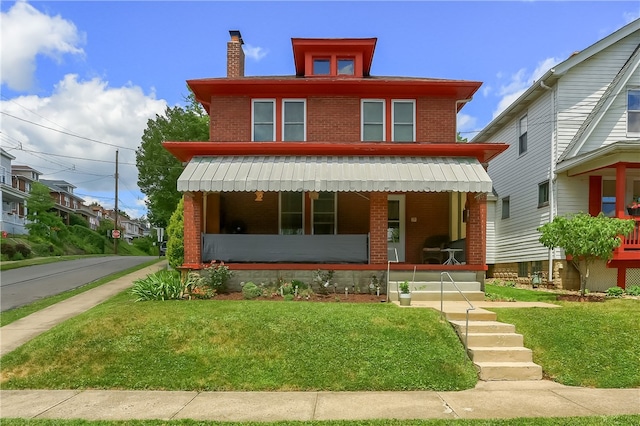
<point>345,66</point>
<point>349,57</point>
<point>321,66</point>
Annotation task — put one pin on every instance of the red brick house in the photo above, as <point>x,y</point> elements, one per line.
<point>333,168</point>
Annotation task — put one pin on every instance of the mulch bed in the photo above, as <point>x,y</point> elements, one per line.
<point>327,298</point>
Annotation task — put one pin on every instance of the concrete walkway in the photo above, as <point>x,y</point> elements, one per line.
<point>487,400</point>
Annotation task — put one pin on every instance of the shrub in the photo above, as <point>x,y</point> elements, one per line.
<point>8,250</point>
<point>219,274</point>
<point>23,250</point>
<point>163,285</point>
<point>175,233</point>
<point>251,291</point>
<point>614,292</point>
<point>634,290</point>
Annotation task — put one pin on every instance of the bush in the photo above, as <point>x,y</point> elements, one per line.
<point>23,250</point>
<point>175,233</point>
<point>87,240</point>
<point>251,291</point>
<point>615,292</point>
<point>8,250</point>
<point>163,285</point>
<point>634,290</point>
<point>219,274</point>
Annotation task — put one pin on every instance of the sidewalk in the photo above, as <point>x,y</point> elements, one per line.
<point>486,400</point>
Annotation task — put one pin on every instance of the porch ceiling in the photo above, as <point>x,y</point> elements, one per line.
<point>325,173</point>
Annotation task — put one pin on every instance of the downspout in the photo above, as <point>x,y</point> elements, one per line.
<point>552,168</point>
<point>458,102</point>
<point>458,218</point>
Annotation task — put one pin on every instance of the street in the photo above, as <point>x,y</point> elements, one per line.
<point>22,286</point>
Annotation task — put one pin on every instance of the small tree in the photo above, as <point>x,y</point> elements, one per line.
<point>175,233</point>
<point>42,222</point>
<point>585,238</point>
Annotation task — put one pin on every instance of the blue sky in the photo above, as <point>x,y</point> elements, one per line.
<point>100,70</point>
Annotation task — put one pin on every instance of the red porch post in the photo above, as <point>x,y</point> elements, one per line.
<point>192,229</point>
<point>378,228</point>
<point>477,229</point>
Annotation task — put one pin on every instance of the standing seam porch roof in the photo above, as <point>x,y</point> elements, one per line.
<point>335,174</point>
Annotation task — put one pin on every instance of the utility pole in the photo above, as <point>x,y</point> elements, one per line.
<point>115,223</point>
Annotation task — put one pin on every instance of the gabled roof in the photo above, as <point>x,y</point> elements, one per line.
<point>551,77</point>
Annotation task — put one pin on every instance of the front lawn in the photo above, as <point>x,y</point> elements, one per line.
<point>503,292</point>
<point>243,346</point>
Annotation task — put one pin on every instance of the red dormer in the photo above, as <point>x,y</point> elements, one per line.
<point>345,57</point>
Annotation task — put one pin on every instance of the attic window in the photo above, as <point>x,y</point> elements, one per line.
<point>345,66</point>
<point>321,66</point>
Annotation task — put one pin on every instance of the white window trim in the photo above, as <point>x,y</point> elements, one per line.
<point>273,119</point>
<point>280,213</point>
<point>393,118</point>
<point>636,111</point>
<point>304,106</point>
<point>384,118</point>
<point>335,214</point>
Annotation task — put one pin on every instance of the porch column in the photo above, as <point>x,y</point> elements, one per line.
<point>192,230</point>
<point>477,229</point>
<point>378,227</point>
<point>621,184</point>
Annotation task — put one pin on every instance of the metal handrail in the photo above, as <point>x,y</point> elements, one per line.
<point>389,267</point>
<point>470,308</point>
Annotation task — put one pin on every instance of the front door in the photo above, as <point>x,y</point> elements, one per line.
<point>395,227</point>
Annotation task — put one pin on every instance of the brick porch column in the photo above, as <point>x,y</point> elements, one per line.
<point>378,227</point>
<point>192,229</point>
<point>477,229</point>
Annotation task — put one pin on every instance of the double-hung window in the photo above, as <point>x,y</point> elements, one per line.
<point>633,112</point>
<point>372,111</point>
<point>263,113</point>
<point>291,213</point>
<point>506,207</point>
<point>293,119</point>
<point>324,213</point>
<point>522,135</point>
<point>543,194</point>
<point>404,117</point>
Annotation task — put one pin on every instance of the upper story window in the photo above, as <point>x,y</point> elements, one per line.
<point>506,207</point>
<point>345,66</point>
<point>404,117</point>
<point>321,66</point>
<point>372,112</point>
<point>633,112</point>
<point>522,135</point>
<point>293,119</point>
<point>263,115</point>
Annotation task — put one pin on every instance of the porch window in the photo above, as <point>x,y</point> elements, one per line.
<point>263,117</point>
<point>291,213</point>
<point>293,121</point>
<point>633,112</point>
<point>324,213</point>
<point>522,135</point>
<point>543,194</point>
<point>506,207</point>
<point>403,116</point>
<point>372,120</point>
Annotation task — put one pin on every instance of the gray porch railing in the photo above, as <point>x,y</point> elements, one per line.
<point>470,308</point>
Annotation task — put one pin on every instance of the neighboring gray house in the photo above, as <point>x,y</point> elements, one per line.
<point>15,182</point>
<point>575,147</point>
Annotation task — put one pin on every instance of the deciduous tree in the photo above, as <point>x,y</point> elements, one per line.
<point>585,239</point>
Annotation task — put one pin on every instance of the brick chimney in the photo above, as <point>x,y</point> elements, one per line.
<point>235,55</point>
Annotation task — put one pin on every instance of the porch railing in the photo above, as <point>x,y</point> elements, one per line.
<point>632,241</point>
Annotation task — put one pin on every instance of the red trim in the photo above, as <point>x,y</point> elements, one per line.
<point>484,152</point>
<point>343,267</point>
<point>303,48</point>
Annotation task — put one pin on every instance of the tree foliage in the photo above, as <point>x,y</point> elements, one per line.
<point>42,222</point>
<point>158,170</point>
<point>585,238</point>
<point>175,234</point>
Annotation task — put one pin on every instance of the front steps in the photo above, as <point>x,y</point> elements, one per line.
<point>495,348</point>
<point>424,291</point>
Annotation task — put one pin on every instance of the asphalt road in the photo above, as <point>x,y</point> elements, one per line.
<point>22,286</point>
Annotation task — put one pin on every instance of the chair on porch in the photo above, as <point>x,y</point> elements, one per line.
<point>432,249</point>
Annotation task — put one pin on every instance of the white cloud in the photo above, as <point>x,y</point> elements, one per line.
<point>115,116</point>
<point>255,52</point>
<point>466,125</point>
<point>27,33</point>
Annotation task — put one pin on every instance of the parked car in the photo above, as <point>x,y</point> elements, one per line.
<point>163,248</point>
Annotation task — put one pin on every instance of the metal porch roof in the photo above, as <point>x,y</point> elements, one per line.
<point>336,174</point>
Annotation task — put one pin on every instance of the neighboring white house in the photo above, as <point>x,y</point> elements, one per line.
<point>15,182</point>
<point>574,140</point>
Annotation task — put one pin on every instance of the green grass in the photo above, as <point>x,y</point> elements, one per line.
<point>583,343</point>
<point>7,317</point>
<point>519,294</point>
<point>553,421</point>
<point>5,266</point>
<point>243,346</point>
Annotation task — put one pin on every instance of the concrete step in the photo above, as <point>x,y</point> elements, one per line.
<point>475,315</point>
<point>508,371</point>
<point>500,354</point>
<point>483,326</point>
<point>463,286</point>
<point>432,276</point>
<point>494,339</point>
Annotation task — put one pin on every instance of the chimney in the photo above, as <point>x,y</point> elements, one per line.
<point>235,55</point>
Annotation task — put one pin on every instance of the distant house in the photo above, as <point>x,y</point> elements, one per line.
<point>16,183</point>
<point>574,140</point>
<point>66,202</point>
<point>333,168</point>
